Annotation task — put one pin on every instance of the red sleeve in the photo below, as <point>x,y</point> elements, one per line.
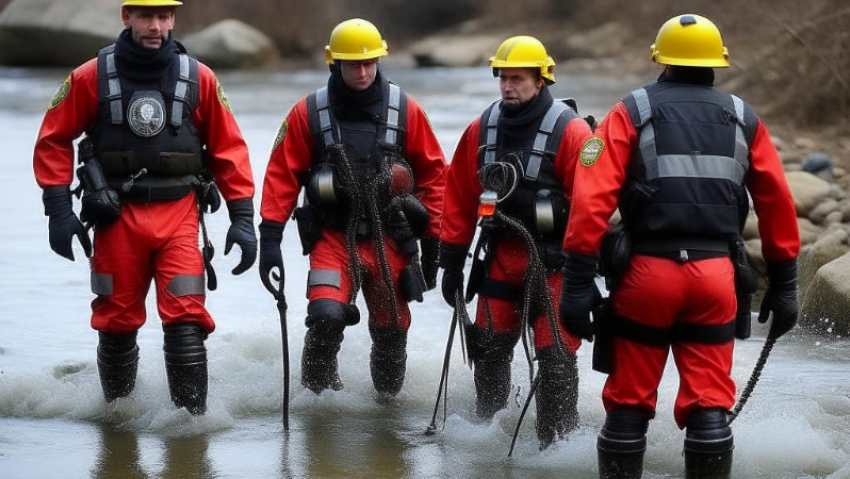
<point>228,153</point>
<point>463,189</point>
<point>575,134</point>
<point>597,185</point>
<point>291,157</point>
<point>65,120</point>
<point>426,158</point>
<point>772,199</point>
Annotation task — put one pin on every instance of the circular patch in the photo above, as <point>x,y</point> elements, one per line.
<point>61,93</point>
<point>280,134</point>
<point>591,151</point>
<point>146,117</point>
<point>222,97</point>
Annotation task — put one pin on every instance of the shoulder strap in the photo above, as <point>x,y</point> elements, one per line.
<point>188,75</point>
<point>109,86</point>
<point>319,115</point>
<point>393,113</point>
<point>547,126</point>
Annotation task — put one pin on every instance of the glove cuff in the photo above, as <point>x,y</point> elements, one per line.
<point>241,208</point>
<point>579,267</point>
<point>782,274</point>
<point>452,256</point>
<point>271,230</point>
<point>56,199</point>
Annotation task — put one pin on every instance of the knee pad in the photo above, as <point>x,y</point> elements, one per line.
<point>327,316</point>
<point>708,432</point>
<point>184,344</point>
<point>484,345</point>
<point>186,366</point>
<point>624,431</point>
<point>117,349</point>
<point>117,363</point>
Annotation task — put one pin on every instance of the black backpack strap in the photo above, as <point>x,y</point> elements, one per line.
<point>108,83</point>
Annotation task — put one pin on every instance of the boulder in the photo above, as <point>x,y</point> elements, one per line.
<point>827,305</point>
<point>830,246</point>
<point>603,41</point>
<point>56,32</point>
<point>835,217</point>
<point>455,50</point>
<point>821,211</point>
<point>808,190</point>
<point>231,44</point>
<point>819,164</point>
<point>809,232</point>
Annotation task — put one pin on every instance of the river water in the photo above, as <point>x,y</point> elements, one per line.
<point>54,422</point>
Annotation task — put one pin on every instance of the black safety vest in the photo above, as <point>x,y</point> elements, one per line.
<point>373,148</point>
<point>686,187</point>
<point>146,130</point>
<point>539,196</point>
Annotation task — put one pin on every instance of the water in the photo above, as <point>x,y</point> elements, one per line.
<point>54,423</point>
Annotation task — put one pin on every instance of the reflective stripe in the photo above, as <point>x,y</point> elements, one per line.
<point>695,166</point>
<point>742,149</point>
<point>648,151</point>
<point>180,92</point>
<point>324,116</point>
<point>546,126</point>
<point>186,284</point>
<point>115,107</point>
<point>101,284</point>
<point>739,109</point>
<point>492,131</point>
<point>643,106</point>
<point>393,114</point>
<point>323,277</point>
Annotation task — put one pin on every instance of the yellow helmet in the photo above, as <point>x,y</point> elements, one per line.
<point>355,39</point>
<point>691,41</point>
<point>524,52</point>
<point>151,3</point>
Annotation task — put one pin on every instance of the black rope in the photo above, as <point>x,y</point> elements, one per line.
<point>444,376</point>
<point>754,377</point>
<point>531,392</point>
<point>349,182</point>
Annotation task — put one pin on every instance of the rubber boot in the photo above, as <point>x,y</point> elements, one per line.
<point>708,445</point>
<point>388,361</point>
<point>622,443</point>
<point>117,364</point>
<point>491,354</point>
<point>186,366</point>
<point>319,365</point>
<point>557,395</point>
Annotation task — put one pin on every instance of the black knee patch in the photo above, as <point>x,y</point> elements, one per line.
<point>117,363</point>
<point>327,315</point>
<point>116,348</point>
<point>483,344</point>
<point>624,431</point>
<point>184,343</point>
<point>708,432</point>
<point>186,366</point>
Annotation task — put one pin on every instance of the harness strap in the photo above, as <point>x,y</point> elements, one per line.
<point>180,91</point>
<point>680,332</point>
<point>114,96</point>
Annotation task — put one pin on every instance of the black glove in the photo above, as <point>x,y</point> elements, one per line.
<point>271,235</point>
<point>578,295</point>
<point>241,232</point>
<point>430,255</point>
<point>780,298</point>
<point>452,259</point>
<point>63,223</point>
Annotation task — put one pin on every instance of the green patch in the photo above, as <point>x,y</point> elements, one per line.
<point>280,134</point>
<point>61,93</point>
<point>591,151</point>
<point>222,97</point>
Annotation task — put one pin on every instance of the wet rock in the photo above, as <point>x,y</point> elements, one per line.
<point>231,44</point>
<point>759,268</point>
<point>808,190</point>
<point>827,306</point>
<point>819,164</point>
<point>68,369</point>
<point>454,50</point>
<point>832,245</point>
<point>822,210</point>
<point>56,32</point>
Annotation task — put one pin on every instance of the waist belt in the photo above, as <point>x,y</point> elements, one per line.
<point>680,332</point>
<point>682,249</point>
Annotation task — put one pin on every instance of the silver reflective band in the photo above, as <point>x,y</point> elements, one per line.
<point>648,152</point>
<point>324,116</point>
<point>101,284</point>
<point>393,114</point>
<point>643,106</point>
<point>324,179</point>
<point>180,91</point>
<point>544,213</point>
<point>323,277</point>
<point>492,130</point>
<point>695,166</point>
<point>115,108</point>
<point>546,126</point>
<point>742,149</point>
<point>185,285</point>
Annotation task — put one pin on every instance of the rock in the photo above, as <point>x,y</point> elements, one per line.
<point>830,246</point>
<point>231,44</point>
<point>759,269</point>
<point>751,227</point>
<point>839,172</point>
<point>605,40</point>
<point>778,143</point>
<point>827,305</point>
<point>809,232</point>
<point>804,143</point>
<point>56,32</point>
<point>833,218</point>
<point>837,193</point>
<point>821,211</point>
<point>792,166</point>
<point>808,191</point>
<point>452,50</point>
<point>844,208</point>
<point>819,164</point>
